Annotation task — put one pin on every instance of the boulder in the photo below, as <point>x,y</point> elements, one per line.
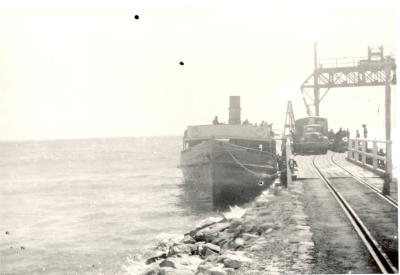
<point>239,242</point>
<point>236,230</point>
<point>226,245</point>
<point>212,257</point>
<point>180,249</point>
<point>209,233</point>
<point>165,241</point>
<point>217,270</point>
<point>222,237</point>
<point>267,225</point>
<point>232,263</point>
<point>209,221</point>
<point>256,247</point>
<point>153,270</point>
<point>233,259</point>
<point>193,249</point>
<point>198,248</point>
<point>248,236</point>
<point>235,223</point>
<point>171,271</point>
<point>277,225</point>
<point>204,224</point>
<point>229,271</point>
<point>187,239</point>
<point>208,252</point>
<point>208,249</point>
<point>250,228</point>
<point>167,263</point>
<point>186,262</point>
<point>156,257</point>
<point>204,267</point>
<point>166,271</point>
<point>213,247</point>
<point>269,230</point>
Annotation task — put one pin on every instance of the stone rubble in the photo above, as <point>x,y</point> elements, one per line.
<point>271,237</point>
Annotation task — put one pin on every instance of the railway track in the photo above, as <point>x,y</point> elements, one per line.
<point>387,198</point>
<point>374,247</point>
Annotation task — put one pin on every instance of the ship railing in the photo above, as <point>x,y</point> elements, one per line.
<point>340,62</point>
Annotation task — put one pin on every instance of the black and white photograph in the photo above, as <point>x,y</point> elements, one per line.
<point>187,137</point>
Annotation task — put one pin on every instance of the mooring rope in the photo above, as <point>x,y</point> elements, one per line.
<point>252,149</point>
<point>259,175</point>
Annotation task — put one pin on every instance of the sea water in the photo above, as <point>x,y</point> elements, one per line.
<point>90,206</point>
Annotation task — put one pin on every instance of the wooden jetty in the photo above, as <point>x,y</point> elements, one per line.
<point>353,221</point>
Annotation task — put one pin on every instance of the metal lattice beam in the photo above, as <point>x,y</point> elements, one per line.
<point>352,77</point>
<point>375,70</point>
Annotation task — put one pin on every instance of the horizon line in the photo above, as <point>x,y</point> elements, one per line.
<point>82,138</point>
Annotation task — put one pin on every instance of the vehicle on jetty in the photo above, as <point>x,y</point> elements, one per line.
<point>229,163</point>
<point>311,135</point>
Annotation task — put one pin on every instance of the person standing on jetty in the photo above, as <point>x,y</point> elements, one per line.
<point>365,130</point>
<point>331,134</point>
<point>215,121</point>
<point>246,122</point>
<point>357,134</point>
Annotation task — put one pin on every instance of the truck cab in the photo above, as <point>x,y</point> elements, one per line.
<point>311,135</point>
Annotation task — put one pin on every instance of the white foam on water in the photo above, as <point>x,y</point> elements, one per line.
<point>165,240</point>
<point>235,212</point>
<point>134,267</point>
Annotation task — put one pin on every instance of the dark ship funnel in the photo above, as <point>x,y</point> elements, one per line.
<point>234,110</point>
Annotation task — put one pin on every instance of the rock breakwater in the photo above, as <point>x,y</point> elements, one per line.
<point>269,236</point>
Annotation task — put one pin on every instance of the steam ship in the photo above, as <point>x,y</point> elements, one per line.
<point>229,163</point>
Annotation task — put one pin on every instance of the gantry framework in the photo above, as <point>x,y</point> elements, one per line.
<point>289,120</point>
<point>374,70</point>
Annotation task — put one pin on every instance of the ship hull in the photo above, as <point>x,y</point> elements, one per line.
<point>224,174</point>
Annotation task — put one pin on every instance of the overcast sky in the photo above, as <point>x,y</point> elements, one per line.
<point>71,69</point>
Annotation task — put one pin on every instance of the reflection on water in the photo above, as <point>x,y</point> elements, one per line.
<point>197,202</point>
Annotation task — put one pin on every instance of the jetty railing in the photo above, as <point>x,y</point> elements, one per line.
<point>371,154</point>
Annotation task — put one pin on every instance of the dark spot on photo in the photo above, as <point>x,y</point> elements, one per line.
<point>136,16</point>
<point>181,63</point>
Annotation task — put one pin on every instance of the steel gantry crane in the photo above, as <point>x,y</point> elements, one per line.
<point>375,70</point>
